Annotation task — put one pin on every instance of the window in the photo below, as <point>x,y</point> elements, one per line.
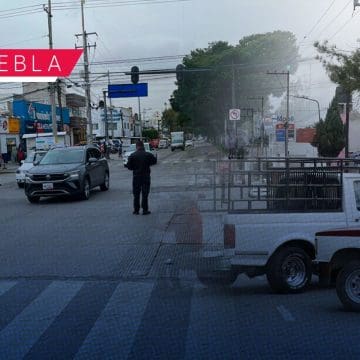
<point>113,126</point>
<point>357,194</point>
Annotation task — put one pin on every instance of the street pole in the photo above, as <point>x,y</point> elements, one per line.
<point>52,85</point>
<point>106,118</point>
<point>286,124</point>
<point>85,47</point>
<point>310,99</point>
<point>347,123</point>
<point>233,95</point>
<point>140,117</point>
<point>287,115</point>
<point>111,110</point>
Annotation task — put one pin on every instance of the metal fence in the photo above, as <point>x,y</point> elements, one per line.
<point>271,184</point>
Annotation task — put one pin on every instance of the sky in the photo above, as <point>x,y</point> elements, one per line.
<point>132,32</point>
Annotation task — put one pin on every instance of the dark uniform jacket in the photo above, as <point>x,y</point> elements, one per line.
<point>140,162</point>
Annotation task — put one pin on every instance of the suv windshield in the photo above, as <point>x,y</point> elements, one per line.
<point>55,157</point>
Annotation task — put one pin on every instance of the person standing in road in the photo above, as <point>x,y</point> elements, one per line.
<point>139,162</point>
<point>120,148</point>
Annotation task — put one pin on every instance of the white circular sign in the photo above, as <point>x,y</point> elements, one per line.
<point>234,114</point>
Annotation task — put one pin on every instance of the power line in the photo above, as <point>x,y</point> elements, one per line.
<point>332,20</point>
<point>341,28</point>
<point>318,21</point>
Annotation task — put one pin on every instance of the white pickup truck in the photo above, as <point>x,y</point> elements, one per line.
<point>338,251</point>
<point>279,239</point>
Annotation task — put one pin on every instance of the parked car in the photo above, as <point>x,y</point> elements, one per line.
<point>26,165</point>
<point>189,143</point>
<point>67,172</point>
<point>163,144</point>
<point>132,148</point>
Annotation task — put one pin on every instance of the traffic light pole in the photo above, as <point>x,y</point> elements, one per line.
<point>140,119</point>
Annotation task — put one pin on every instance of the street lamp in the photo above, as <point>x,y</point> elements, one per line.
<point>310,99</point>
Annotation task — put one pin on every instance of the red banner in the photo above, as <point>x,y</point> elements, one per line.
<point>38,62</point>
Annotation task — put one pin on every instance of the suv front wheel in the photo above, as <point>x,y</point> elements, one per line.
<point>106,184</point>
<point>86,190</point>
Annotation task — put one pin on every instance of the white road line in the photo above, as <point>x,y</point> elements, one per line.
<point>285,313</point>
<point>21,334</point>
<point>6,285</point>
<point>116,327</point>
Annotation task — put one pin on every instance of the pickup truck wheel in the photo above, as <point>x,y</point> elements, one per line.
<point>289,270</point>
<point>106,184</point>
<point>348,286</point>
<point>217,278</point>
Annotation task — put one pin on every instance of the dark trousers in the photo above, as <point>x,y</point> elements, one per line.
<point>141,185</point>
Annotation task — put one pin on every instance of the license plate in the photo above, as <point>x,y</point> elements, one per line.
<point>48,186</point>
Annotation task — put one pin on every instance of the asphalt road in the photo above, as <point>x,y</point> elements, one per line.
<point>88,280</point>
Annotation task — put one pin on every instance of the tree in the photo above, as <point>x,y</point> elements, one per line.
<point>150,134</point>
<point>205,95</point>
<point>170,119</point>
<point>346,70</point>
<point>330,134</point>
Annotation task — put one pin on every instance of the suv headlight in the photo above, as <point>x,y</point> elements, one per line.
<point>73,175</point>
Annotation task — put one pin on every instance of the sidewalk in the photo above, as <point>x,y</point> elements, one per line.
<point>11,168</point>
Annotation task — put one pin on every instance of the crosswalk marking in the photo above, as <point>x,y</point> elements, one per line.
<point>21,334</point>
<point>116,327</point>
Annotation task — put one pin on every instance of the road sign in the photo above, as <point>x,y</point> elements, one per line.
<point>234,114</point>
<point>128,90</point>
<point>280,132</point>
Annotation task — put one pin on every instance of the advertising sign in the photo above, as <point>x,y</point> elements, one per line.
<point>280,132</point>
<point>36,117</point>
<point>44,142</point>
<point>4,125</point>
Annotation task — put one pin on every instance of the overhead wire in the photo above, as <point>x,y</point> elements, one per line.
<point>319,20</point>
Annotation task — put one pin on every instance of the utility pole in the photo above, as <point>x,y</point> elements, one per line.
<point>58,86</point>
<point>111,110</point>
<point>139,105</point>
<point>347,123</point>
<point>51,85</point>
<point>85,47</point>
<point>286,124</point>
<point>106,118</point>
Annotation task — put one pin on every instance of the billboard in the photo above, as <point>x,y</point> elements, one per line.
<point>36,117</point>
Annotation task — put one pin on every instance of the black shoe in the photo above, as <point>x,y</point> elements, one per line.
<point>136,212</point>
<point>146,212</point>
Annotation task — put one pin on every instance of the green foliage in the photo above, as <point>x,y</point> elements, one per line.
<point>170,119</point>
<point>346,69</point>
<point>205,96</point>
<point>150,134</point>
<point>330,134</point>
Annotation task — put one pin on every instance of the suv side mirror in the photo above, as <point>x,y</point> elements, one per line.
<point>36,162</point>
<point>92,160</point>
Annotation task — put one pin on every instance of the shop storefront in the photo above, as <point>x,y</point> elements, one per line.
<point>36,118</point>
<point>9,137</point>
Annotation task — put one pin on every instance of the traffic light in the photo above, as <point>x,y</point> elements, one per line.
<point>134,74</point>
<point>180,73</point>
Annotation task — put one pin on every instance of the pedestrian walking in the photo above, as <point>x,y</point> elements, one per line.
<point>3,160</point>
<point>120,148</point>
<point>20,154</point>
<point>139,162</point>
